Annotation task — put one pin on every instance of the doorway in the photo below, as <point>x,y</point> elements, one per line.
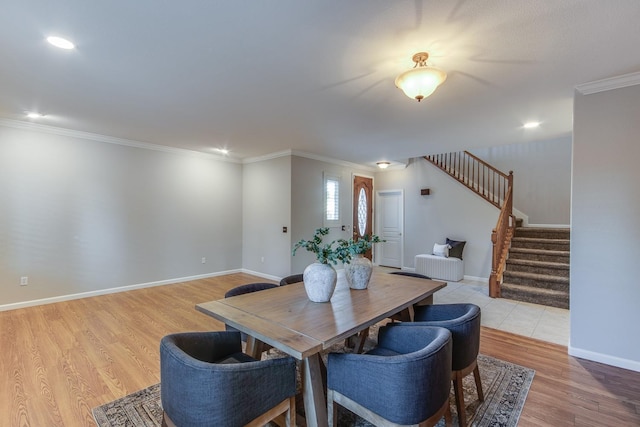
<point>362,208</point>
<point>390,227</point>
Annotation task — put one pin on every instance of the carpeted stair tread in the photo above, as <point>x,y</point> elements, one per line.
<point>535,276</point>
<point>535,295</point>
<point>550,233</point>
<point>539,264</point>
<point>538,251</point>
<point>540,240</point>
<point>541,243</point>
<point>538,267</point>
<point>542,255</point>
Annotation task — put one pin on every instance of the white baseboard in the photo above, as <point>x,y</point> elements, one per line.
<point>632,365</point>
<point>98,292</point>
<point>263,275</point>
<point>549,225</point>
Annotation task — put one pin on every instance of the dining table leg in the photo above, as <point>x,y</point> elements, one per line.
<point>315,405</point>
<point>254,347</point>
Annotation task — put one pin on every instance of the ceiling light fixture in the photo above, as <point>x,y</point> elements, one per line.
<point>422,80</point>
<point>34,115</point>
<point>60,42</point>
<point>531,125</point>
<point>383,165</point>
<point>222,150</point>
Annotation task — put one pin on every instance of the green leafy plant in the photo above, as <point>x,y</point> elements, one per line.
<point>360,246</point>
<point>325,252</point>
<point>338,250</point>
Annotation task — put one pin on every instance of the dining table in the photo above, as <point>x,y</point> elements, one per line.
<point>283,317</point>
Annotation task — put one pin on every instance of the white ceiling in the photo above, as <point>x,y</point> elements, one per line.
<point>260,77</point>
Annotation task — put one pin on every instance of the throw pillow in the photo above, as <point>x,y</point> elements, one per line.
<point>441,250</point>
<point>457,246</point>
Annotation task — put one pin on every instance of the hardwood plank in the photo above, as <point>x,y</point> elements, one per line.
<point>60,360</point>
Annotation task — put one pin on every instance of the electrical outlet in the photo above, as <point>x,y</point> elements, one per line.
<point>204,260</point>
<point>24,281</point>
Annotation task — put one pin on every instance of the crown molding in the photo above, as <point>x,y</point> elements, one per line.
<point>53,130</point>
<point>286,153</point>
<point>271,156</point>
<point>609,84</point>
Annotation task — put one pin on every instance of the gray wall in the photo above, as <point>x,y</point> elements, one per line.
<point>307,204</point>
<point>78,215</point>
<point>451,210</point>
<point>542,177</point>
<point>266,198</point>
<point>605,235</point>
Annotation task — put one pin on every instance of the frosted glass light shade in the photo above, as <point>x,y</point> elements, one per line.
<point>420,82</point>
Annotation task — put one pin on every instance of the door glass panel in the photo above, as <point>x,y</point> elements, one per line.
<point>362,212</point>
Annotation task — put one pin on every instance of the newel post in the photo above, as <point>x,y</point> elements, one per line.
<point>494,286</point>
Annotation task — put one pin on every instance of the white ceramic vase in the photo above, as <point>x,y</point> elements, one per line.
<point>358,272</point>
<point>319,281</point>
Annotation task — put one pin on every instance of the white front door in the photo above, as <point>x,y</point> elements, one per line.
<point>390,222</point>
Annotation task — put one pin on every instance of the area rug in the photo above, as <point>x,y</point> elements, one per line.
<point>505,388</point>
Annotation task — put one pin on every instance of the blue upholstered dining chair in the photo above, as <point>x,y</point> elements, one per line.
<point>294,278</point>
<point>410,274</point>
<point>463,320</point>
<point>405,380</point>
<point>206,381</point>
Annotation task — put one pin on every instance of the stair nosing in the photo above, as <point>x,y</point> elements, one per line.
<point>534,289</point>
<point>537,263</point>
<point>540,251</point>
<point>536,276</point>
<point>540,239</point>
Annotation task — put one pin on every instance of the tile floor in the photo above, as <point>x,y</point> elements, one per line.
<point>536,321</point>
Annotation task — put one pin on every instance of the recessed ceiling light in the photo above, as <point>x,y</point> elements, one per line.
<point>222,150</point>
<point>531,125</point>
<point>60,42</point>
<point>34,115</point>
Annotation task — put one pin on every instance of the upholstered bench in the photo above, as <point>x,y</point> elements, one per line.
<point>441,268</point>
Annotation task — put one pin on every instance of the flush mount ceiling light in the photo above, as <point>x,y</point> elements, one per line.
<point>383,165</point>
<point>60,42</point>
<point>422,80</point>
<point>34,115</point>
<point>531,125</point>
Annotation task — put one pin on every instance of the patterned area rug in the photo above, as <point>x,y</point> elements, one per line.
<point>505,389</point>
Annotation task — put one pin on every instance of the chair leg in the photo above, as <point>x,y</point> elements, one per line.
<point>476,375</point>
<point>291,413</point>
<point>458,390</point>
<point>166,421</point>
<point>448,419</point>
<point>332,409</point>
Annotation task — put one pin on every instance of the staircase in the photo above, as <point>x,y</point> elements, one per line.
<point>537,268</point>
<point>495,187</point>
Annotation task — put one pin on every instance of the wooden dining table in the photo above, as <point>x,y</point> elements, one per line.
<point>285,318</point>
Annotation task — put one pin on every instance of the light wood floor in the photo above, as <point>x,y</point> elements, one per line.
<point>58,361</point>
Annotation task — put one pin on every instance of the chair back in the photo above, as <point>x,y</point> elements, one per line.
<point>294,278</point>
<point>463,320</point>
<point>248,288</point>
<point>405,380</point>
<point>207,381</point>
<point>410,274</point>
